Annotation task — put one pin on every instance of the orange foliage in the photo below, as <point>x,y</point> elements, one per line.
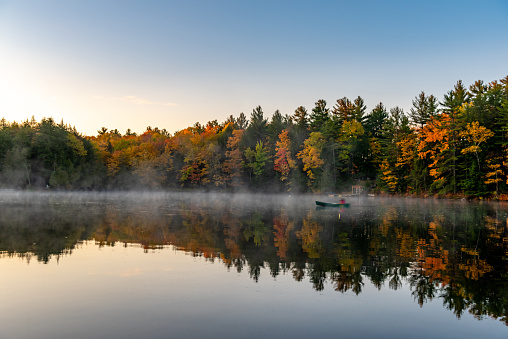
<point>432,258</point>
<point>281,230</point>
<point>310,236</point>
<point>232,166</point>
<point>284,162</point>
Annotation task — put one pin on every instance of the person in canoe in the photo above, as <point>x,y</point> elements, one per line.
<point>342,203</point>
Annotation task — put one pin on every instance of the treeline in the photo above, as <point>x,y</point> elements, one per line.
<point>453,146</point>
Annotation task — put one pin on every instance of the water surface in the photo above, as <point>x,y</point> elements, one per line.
<point>121,265</point>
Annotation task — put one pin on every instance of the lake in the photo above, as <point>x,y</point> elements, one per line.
<point>199,265</point>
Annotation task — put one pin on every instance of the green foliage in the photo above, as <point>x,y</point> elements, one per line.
<point>44,154</point>
<point>424,108</point>
<point>257,159</point>
<point>257,127</point>
<point>16,167</point>
<point>347,145</point>
<point>320,116</point>
<point>300,118</point>
<point>376,120</point>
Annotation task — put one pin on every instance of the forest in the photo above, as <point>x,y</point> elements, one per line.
<point>453,147</point>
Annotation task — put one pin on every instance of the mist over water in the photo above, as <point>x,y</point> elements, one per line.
<point>380,256</point>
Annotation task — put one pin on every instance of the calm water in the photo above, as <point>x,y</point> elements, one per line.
<point>214,266</point>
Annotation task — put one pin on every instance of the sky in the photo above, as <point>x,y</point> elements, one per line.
<point>169,64</point>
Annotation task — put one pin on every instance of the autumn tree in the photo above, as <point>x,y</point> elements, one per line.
<point>434,139</point>
<point>407,162</point>
<point>232,166</point>
<point>424,107</point>
<point>284,162</point>
<point>475,135</point>
<point>311,157</point>
<point>494,174</point>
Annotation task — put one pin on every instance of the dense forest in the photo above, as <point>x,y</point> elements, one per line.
<point>456,146</point>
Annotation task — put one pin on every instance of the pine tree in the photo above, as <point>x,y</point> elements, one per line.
<point>452,104</point>
<point>359,110</point>
<point>424,108</point>
<point>344,110</point>
<point>320,116</point>
<point>241,121</point>
<point>275,127</point>
<point>256,131</point>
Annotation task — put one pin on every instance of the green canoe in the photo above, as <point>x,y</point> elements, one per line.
<point>331,204</point>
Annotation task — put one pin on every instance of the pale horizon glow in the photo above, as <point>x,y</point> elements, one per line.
<point>169,64</point>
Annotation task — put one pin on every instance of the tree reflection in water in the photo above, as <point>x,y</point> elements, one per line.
<point>453,251</point>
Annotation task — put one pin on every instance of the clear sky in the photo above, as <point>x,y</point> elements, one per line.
<point>168,64</point>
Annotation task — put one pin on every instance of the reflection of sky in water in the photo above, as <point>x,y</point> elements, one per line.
<point>122,292</point>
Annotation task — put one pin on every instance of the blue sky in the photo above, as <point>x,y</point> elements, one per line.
<point>169,64</point>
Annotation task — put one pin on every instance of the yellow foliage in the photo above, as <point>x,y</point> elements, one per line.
<point>310,236</point>
<point>475,268</point>
<point>434,172</point>
<point>494,175</point>
<point>311,154</point>
<point>475,134</point>
<point>375,148</point>
<point>76,145</point>
<point>388,176</point>
<point>407,153</point>
<point>434,136</point>
<point>352,129</point>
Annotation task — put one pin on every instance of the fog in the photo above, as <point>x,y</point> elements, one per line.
<point>394,243</point>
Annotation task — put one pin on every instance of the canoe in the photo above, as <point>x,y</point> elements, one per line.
<point>331,204</point>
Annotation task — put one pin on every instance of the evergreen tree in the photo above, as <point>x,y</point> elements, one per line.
<point>256,131</point>
<point>319,117</point>
<point>424,108</point>
<point>452,104</point>
<point>359,110</point>
<point>374,125</point>
<point>275,126</point>
<point>298,134</point>
<point>395,130</point>
<point>300,118</point>
<point>375,121</point>
<point>241,121</point>
<point>344,110</point>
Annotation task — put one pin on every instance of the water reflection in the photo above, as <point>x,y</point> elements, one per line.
<point>453,251</point>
